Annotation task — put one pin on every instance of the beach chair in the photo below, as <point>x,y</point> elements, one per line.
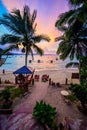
<point>50,81</point>
<point>45,77</point>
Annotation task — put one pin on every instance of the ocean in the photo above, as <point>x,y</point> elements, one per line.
<point>45,62</point>
<point>50,64</point>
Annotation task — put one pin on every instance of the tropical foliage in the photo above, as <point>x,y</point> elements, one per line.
<point>44,113</point>
<point>83,70</point>
<point>22,29</point>
<point>70,64</point>
<point>8,94</point>
<point>6,99</point>
<point>14,92</point>
<point>73,24</point>
<point>80,91</point>
<point>3,59</point>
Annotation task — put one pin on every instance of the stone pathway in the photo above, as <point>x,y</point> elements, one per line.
<point>39,92</point>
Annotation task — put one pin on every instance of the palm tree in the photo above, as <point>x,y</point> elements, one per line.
<point>73,42</point>
<point>3,59</point>
<point>77,12</point>
<point>22,29</point>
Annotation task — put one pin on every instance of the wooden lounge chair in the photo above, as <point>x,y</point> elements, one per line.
<point>45,78</point>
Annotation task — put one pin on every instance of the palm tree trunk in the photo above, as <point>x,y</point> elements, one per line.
<point>26,57</point>
<point>79,71</point>
<point>2,60</point>
<point>80,66</point>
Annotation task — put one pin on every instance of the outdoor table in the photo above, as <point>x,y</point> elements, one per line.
<point>64,93</point>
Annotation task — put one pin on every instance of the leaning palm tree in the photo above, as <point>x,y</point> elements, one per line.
<point>73,42</point>
<point>2,60</point>
<point>22,29</point>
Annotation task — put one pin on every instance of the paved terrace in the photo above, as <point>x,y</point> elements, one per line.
<point>22,119</point>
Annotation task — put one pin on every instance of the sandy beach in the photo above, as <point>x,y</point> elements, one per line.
<point>55,75</point>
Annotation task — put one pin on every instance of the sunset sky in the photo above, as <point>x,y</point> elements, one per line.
<point>47,14</point>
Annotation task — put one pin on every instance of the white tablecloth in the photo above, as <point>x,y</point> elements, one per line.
<point>64,93</point>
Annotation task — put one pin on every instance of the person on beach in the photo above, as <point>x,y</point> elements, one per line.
<point>3,71</point>
<point>66,82</point>
<point>49,81</point>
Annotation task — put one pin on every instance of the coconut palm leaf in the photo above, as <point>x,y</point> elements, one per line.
<point>70,64</point>
<point>40,37</point>
<point>9,38</point>
<point>76,2</point>
<point>38,50</point>
<point>11,47</point>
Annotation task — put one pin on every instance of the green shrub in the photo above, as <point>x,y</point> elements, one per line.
<point>14,92</point>
<point>80,91</point>
<point>6,103</point>
<point>45,114</point>
<point>8,95</point>
<point>5,94</point>
<point>72,97</point>
<point>10,92</point>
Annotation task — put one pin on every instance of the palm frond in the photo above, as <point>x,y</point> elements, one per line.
<point>10,48</point>
<point>63,18</point>
<point>38,50</point>
<point>75,2</point>
<point>40,37</point>
<point>31,52</point>
<point>8,38</point>
<point>33,17</point>
<point>70,64</point>
<point>59,38</point>
<point>23,50</point>
<point>14,22</point>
